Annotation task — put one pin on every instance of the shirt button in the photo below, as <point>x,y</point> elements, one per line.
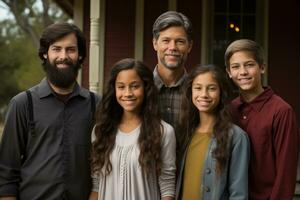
<point>168,109</point>
<point>244,117</point>
<point>208,171</point>
<point>206,189</point>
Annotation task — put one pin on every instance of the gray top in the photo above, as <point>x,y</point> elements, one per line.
<point>54,161</point>
<point>125,182</point>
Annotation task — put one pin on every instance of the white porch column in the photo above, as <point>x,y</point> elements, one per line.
<point>139,30</point>
<point>96,58</point>
<point>172,5</point>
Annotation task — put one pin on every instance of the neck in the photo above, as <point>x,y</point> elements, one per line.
<point>129,122</point>
<point>207,122</point>
<point>248,96</point>
<point>170,76</point>
<point>62,91</point>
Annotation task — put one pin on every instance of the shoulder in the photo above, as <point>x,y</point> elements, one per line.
<point>279,104</point>
<point>20,99</point>
<point>90,94</point>
<point>18,105</point>
<point>98,97</point>
<point>238,135</point>
<point>168,131</point>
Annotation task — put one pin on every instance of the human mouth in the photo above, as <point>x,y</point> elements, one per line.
<point>63,64</point>
<point>244,80</point>
<point>203,103</point>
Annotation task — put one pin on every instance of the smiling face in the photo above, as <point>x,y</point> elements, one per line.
<point>129,91</point>
<point>62,61</point>
<point>205,93</point>
<point>172,47</point>
<point>245,72</point>
<point>63,52</point>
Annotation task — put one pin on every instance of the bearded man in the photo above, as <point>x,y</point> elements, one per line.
<point>44,151</point>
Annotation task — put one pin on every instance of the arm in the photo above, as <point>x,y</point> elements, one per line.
<point>238,165</point>
<point>12,147</point>
<point>164,198</point>
<point>286,152</point>
<point>8,198</point>
<point>95,187</point>
<point>93,196</point>
<point>168,169</point>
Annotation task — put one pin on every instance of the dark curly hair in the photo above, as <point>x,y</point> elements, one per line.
<point>108,117</point>
<point>223,122</point>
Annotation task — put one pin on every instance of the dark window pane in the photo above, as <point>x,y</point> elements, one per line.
<point>235,6</point>
<point>249,27</point>
<point>219,47</point>
<point>220,6</point>
<point>220,27</point>
<point>249,6</point>
<point>234,27</point>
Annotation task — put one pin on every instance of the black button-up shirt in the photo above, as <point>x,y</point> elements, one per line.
<point>54,162</point>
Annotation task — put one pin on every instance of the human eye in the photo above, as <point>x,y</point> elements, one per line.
<point>135,86</point>
<point>120,87</point>
<point>234,67</point>
<point>165,40</point>
<point>197,87</point>
<point>181,41</point>
<point>72,49</point>
<point>250,64</point>
<point>55,49</point>
<point>212,88</point>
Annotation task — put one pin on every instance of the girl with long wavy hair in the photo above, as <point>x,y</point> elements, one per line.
<point>134,151</point>
<point>214,153</point>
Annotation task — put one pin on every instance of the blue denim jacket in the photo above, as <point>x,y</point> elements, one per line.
<point>233,182</point>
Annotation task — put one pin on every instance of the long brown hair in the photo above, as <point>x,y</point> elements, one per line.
<point>223,120</point>
<point>108,117</point>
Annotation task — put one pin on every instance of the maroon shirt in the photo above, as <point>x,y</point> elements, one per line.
<point>271,125</point>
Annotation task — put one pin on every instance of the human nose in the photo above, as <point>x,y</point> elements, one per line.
<point>203,93</point>
<point>128,91</point>
<point>63,54</point>
<point>243,70</point>
<point>172,44</point>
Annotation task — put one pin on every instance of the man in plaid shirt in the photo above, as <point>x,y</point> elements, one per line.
<point>172,40</point>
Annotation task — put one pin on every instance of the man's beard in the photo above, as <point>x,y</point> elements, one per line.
<point>172,66</point>
<point>62,78</point>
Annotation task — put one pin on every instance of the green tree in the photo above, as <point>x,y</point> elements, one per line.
<point>19,40</point>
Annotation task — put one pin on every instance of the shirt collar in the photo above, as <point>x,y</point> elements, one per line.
<point>258,102</point>
<point>44,90</point>
<point>159,82</point>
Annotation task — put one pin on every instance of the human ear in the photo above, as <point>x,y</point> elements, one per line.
<point>228,72</point>
<point>45,56</point>
<point>154,42</point>
<point>262,68</point>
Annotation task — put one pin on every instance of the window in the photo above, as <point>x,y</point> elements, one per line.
<point>232,19</point>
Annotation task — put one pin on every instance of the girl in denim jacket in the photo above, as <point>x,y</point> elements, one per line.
<point>213,152</point>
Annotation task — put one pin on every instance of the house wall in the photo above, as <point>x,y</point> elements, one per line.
<point>284,41</point>
<point>119,32</point>
<point>152,10</point>
<point>86,31</point>
<point>193,11</point>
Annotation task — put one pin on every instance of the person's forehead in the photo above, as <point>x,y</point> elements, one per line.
<point>67,40</point>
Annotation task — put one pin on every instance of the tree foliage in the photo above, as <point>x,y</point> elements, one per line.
<point>32,16</point>
<point>19,62</point>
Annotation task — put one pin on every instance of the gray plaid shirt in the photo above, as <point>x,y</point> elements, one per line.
<point>169,98</point>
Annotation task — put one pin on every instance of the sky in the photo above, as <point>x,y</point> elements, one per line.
<point>4,12</point>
